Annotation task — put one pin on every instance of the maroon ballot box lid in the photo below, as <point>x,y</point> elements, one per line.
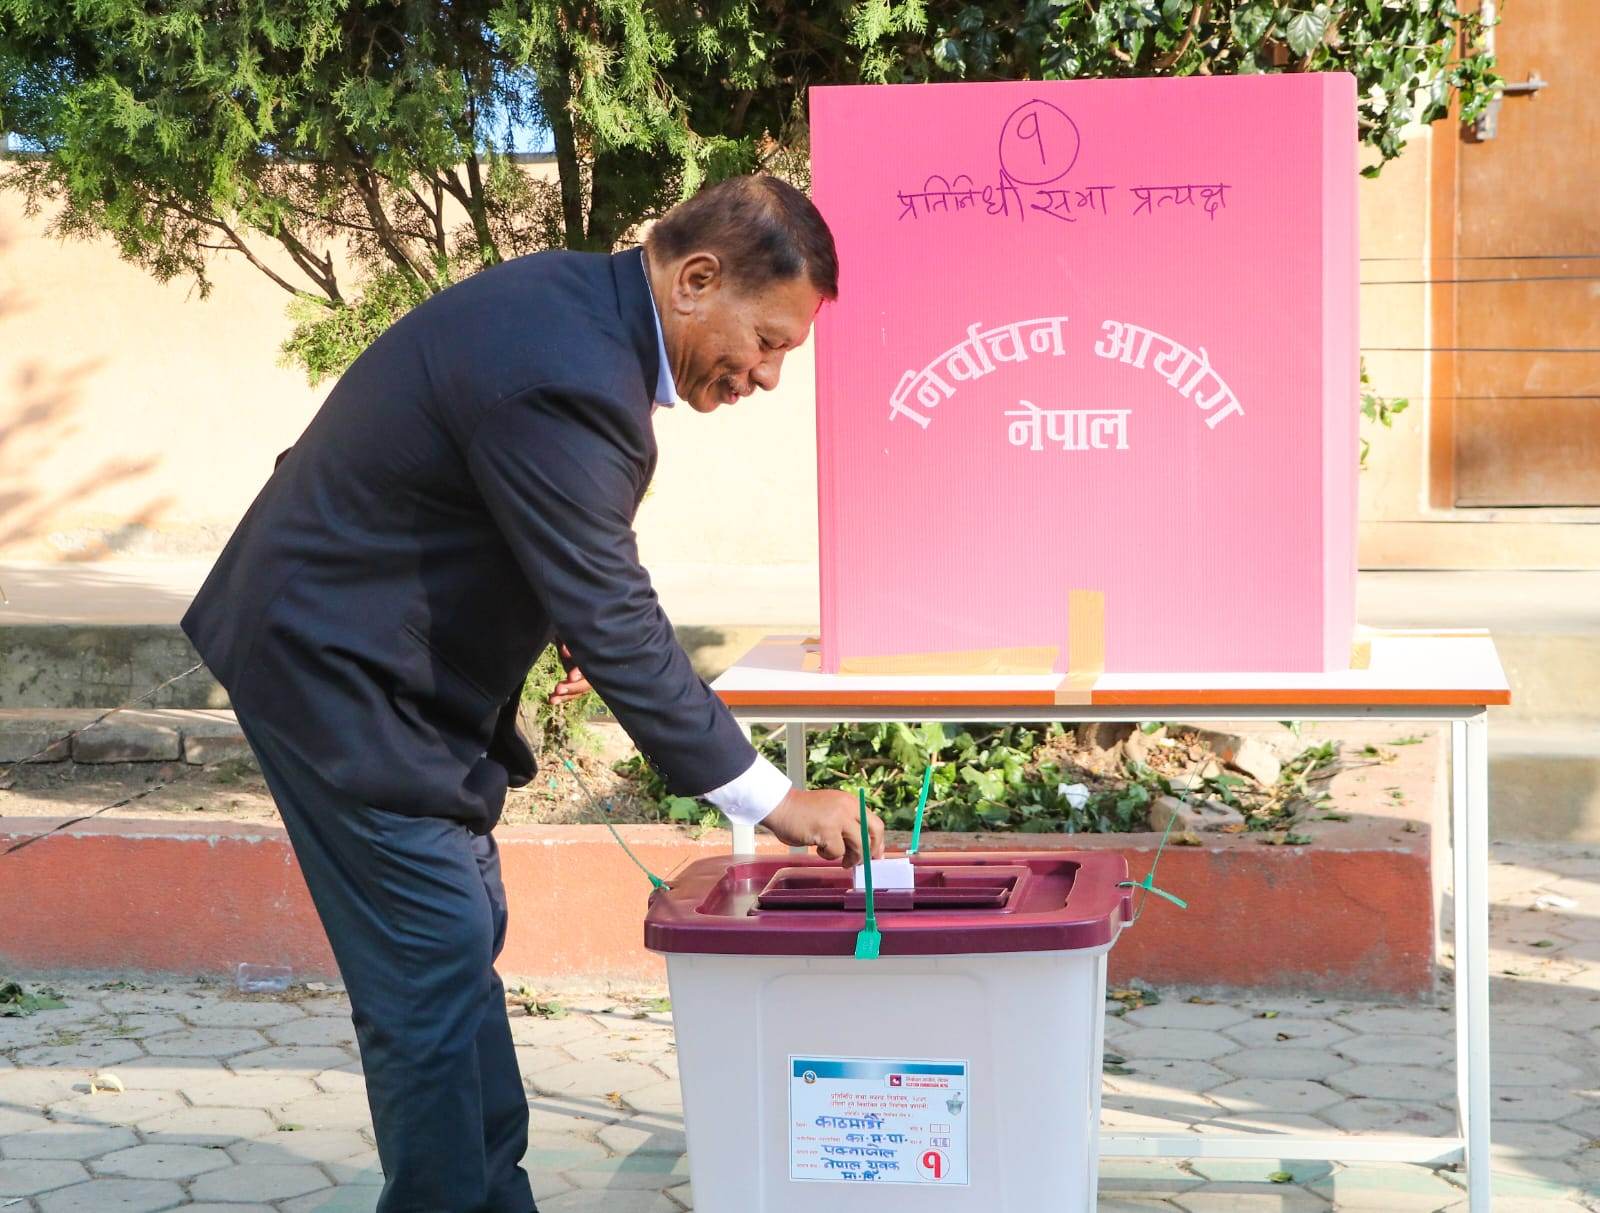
<point>963,903</point>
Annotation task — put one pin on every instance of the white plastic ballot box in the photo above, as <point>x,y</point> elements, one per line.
<point>959,1071</point>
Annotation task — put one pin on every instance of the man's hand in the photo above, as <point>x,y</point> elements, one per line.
<point>573,685</point>
<point>830,821</point>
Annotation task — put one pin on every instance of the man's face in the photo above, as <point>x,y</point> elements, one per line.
<point>724,341</point>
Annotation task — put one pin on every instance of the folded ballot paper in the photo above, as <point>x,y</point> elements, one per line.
<point>887,874</point>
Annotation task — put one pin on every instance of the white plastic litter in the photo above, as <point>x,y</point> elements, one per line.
<point>887,874</point>
<point>1554,901</point>
<point>263,979</point>
<point>1076,794</point>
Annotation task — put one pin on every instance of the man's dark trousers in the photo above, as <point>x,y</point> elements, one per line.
<point>416,913</point>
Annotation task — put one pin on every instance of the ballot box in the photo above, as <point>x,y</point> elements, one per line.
<point>1088,397</point>
<point>959,1071</point>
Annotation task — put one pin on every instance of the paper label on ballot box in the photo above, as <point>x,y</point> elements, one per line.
<point>878,1120</point>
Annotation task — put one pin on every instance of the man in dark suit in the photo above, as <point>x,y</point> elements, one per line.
<point>465,495</point>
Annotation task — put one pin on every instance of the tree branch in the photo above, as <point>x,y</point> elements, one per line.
<point>555,88</point>
<point>451,184</point>
<point>365,185</point>
<point>261,265</point>
<point>235,241</point>
<point>432,215</point>
<point>338,221</point>
<point>740,109</point>
<point>607,202</point>
<point>478,208</point>
<point>1197,17</point>
<point>318,270</point>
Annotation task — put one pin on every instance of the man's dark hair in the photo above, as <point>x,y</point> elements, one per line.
<point>762,229</point>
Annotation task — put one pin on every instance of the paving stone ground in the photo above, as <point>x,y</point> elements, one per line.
<point>233,1104</point>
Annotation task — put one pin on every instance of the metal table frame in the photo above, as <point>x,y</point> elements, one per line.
<point>1469,848</point>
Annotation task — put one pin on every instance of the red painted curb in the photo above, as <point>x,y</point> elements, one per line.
<point>1350,915</point>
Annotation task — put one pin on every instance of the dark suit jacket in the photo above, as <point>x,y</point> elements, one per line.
<point>466,491</point>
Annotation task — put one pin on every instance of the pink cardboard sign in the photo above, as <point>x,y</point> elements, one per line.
<point>1091,336</point>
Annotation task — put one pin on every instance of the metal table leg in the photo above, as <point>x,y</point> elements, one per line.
<point>794,747</point>
<point>794,762</point>
<point>1459,934</point>
<point>1469,803</point>
<point>744,836</point>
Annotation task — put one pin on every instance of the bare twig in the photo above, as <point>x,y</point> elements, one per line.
<point>319,270</point>
<point>431,213</point>
<point>1197,17</point>
<point>235,241</point>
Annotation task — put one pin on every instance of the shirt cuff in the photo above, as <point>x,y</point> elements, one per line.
<point>749,798</point>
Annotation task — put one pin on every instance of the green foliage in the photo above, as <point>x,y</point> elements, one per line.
<point>681,810</point>
<point>984,778</point>
<point>1403,53</point>
<point>1314,764</point>
<point>15,1001</point>
<point>328,336</point>
<point>356,152</point>
<point>532,1005</point>
<point>1006,778</point>
<point>1381,409</point>
<point>561,728</point>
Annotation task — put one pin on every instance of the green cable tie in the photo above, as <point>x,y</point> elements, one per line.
<point>922,805</point>
<point>1150,888</point>
<point>1148,883</point>
<point>869,943</point>
<point>605,807</point>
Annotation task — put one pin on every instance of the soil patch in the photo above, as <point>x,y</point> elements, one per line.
<point>235,791</point>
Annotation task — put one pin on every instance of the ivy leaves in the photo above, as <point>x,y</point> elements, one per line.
<point>1406,55</point>
<point>985,777</point>
<point>1306,29</point>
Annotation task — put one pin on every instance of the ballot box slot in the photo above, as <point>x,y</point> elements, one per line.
<point>937,888</point>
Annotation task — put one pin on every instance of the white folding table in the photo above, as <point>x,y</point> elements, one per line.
<point>1435,676</point>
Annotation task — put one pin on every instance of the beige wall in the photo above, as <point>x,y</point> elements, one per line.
<point>138,420</point>
<point>1394,226</point>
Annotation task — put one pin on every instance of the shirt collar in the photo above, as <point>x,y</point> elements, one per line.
<point>666,391</point>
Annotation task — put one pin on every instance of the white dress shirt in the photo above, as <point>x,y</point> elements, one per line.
<point>748,798</point>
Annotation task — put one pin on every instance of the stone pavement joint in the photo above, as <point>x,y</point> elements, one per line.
<point>236,1104</point>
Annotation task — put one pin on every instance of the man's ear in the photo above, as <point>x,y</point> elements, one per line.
<point>699,275</point>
